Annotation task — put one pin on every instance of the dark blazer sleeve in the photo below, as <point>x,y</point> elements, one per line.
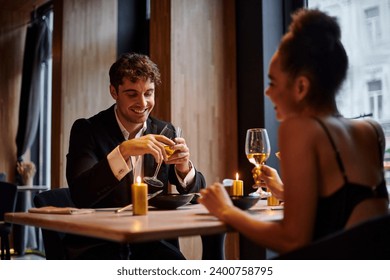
<point>198,183</point>
<point>88,173</point>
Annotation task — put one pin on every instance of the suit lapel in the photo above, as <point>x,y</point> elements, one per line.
<point>112,125</point>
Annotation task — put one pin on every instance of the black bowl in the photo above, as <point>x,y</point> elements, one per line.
<point>170,201</point>
<point>244,202</point>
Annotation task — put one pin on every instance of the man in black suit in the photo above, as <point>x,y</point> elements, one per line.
<point>110,149</point>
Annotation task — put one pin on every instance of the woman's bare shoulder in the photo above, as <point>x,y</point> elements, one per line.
<point>368,124</point>
<point>371,127</point>
<point>300,134</point>
<point>304,126</point>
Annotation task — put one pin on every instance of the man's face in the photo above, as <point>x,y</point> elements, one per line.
<point>134,101</point>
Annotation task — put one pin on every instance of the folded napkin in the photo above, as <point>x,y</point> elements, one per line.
<point>61,210</point>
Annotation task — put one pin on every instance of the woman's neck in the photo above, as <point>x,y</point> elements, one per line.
<point>322,111</point>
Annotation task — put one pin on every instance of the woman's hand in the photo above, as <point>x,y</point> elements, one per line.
<point>271,179</point>
<point>216,199</point>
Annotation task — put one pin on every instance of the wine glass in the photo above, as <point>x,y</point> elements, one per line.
<point>257,150</point>
<point>171,134</point>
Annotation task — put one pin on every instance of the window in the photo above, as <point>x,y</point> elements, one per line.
<point>45,120</point>
<point>375,96</point>
<point>373,24</point>
<point>41,148</point>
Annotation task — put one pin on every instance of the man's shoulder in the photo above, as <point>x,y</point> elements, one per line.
<point>103,115</point>
<point>101,119</point>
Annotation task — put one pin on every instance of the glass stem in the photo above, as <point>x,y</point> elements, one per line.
<point>157,169</point>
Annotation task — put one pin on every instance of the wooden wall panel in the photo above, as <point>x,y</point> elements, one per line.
<point>201,96</point>
<point>203,84</point>
<point>11,49</point>
<point>160,53</point>
<point>89,34</point>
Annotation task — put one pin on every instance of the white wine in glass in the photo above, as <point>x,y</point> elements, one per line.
<point>257,149</point>
<point>257,158</point>
<point>176,133</point>
<point>169,151</point>
<point>171,134</point>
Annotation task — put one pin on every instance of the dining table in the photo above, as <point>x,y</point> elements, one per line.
<point>187,220</point>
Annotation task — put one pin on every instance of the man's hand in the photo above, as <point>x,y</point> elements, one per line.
<point>181,157</point>
<point>148,144</point>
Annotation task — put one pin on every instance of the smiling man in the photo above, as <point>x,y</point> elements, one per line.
<point>110,149</point>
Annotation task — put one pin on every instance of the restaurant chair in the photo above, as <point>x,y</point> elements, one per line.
<point>369,240</point>
<point>8,193</point>
<point>3,177</point>
<point>53,240</point>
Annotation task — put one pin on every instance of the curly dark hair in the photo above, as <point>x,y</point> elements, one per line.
<point>312,47</point>
<point>134,67</point>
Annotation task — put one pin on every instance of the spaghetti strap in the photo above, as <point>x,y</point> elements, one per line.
<point>379,143</point>
<point>336,151</point>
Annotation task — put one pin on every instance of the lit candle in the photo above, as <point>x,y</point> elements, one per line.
<point>272,201</point>
<point>139,193</point>
<point>238,187</point>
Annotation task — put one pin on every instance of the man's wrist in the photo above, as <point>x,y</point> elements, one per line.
<point>184,174</point>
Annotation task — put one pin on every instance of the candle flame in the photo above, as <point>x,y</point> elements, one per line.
<point>138,180</point>
<point>237,176</point>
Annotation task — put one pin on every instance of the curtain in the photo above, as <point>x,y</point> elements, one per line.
<point>37,51</point>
